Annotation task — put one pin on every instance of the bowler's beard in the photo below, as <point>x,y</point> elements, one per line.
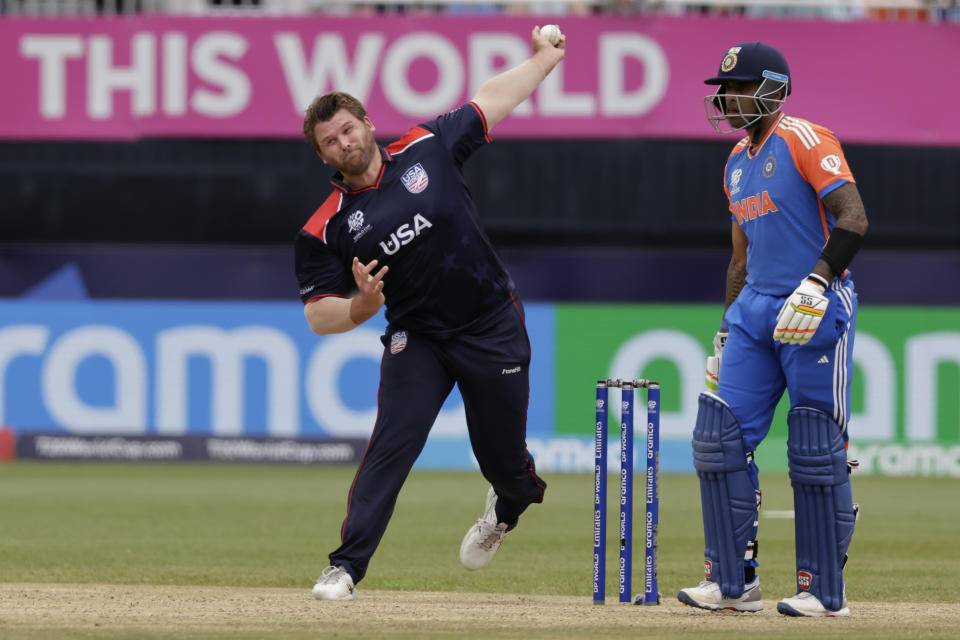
<point>358,159</point>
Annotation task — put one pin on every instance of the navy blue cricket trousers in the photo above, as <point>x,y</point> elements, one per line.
<point>490,363</point>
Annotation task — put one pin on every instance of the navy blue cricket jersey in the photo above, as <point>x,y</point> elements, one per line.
<point>419,219</point>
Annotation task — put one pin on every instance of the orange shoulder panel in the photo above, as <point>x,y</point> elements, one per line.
<point>816,152</point>
<point>726,189</point>
<point>737,148</point>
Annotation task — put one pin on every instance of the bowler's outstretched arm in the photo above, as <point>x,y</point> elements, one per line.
<point>501,94</point>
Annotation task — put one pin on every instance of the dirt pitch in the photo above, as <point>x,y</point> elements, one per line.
<point>101,610</point>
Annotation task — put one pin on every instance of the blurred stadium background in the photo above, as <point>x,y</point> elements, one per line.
<point>152,178</point>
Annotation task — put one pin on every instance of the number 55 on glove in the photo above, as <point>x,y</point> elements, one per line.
<point>801,314</point>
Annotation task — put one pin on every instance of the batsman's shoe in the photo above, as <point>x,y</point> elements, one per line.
<point>807,604</point>
<point>484,538</point>
<point>706,595</point>
<point>334,584</point>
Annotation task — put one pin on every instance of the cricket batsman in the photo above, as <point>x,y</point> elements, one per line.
<point>789,323</point>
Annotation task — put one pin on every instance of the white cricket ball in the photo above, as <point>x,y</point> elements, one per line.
<point>552,33</point>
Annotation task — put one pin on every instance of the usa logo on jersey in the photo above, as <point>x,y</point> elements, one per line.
<point>415,179</point>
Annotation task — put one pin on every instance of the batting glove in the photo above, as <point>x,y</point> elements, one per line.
<point>713,362</point>
<point>802,312</point>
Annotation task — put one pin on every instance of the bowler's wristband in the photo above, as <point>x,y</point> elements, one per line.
<point>840,249</point>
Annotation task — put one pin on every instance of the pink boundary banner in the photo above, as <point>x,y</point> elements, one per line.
<point>623,77</point>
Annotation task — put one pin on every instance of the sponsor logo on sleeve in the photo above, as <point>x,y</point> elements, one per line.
<point>831,163</point>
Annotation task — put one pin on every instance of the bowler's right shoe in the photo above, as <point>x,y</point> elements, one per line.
<point>706,595</point>
<point>334,584</point>
<point>484,538</point>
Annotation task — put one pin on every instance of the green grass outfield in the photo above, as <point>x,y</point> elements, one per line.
<point>272,526</point>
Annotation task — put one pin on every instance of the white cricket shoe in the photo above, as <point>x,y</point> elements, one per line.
<point>807,604</point>
<point>484,538</point>
<point>706,595</point>
<point>334,584</point>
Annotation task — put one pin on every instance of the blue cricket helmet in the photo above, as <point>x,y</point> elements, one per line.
<point>753,62</point>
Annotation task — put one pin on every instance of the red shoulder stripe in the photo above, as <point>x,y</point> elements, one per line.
<point>408,138</point>
<point>483,119</point>
<point>317,224</point>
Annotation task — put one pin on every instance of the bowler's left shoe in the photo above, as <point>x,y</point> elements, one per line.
<point>334,584</point>
<point>808,605</point>
<point>484,538</point>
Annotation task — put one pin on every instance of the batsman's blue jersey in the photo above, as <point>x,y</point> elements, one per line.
<point>776,196</point>
<point>776,193</point>
<point>418,219</point>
